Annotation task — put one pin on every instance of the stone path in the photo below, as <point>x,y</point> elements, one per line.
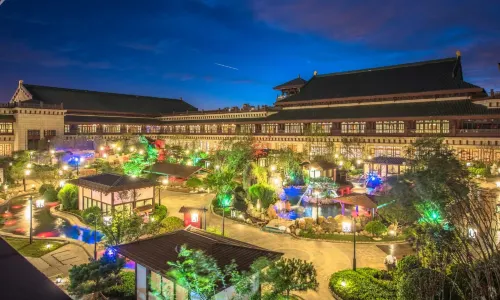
<point>59,261</point>
<point>327,257</point>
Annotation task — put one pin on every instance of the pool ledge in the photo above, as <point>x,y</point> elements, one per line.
<point>72,219</point>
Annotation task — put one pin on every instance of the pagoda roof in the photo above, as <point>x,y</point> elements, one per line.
<point>109,182</point>
<point>294,83</point>
<point>411,78</point>
<point>84,100</point>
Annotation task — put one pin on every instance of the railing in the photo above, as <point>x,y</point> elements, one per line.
<point>30,105</point>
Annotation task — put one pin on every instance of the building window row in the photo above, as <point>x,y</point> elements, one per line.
<point>294,128</point>
<point>6,128</point>
<point>269,128</point>
<point>321,127</point>
<point>390,127</point>
<point>87,128</point>
<point>353,127</point>
<point>433,126</point>
<point>247,128</point>
<point>111,128</point>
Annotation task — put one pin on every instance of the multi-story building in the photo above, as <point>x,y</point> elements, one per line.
<point>372,112</point>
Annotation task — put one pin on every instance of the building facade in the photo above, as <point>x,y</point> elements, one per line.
<point>365,113</point>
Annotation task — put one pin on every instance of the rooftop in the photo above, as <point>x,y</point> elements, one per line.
<point>108,182</point>
<point>177,170</point>
<point>154,253</point>
<point>426,76</point>
<point>84,100</point>
<point>21,280</point>
<point>294,83</point>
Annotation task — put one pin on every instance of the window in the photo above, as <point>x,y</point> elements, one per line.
<point>180,128</point>
<point>321,127</point>
<point>5,150</point>
<point>66,129</point>
<point>269,128</point>
<point>49,133</point>
<point>194,128</point>
<point>134,128</point>
<point>153,129</point>
<point>211,128</point>
<point>390,127</point>
<point>194,218</point>
<point>353,127</point>
<point>34,134</point>
<point>247,128</point>
<point>226,128</point>
<point>111,128</point>
<point>388,151</point>
<point>433,126</point>
<point>168,128</point>
<point>6,128</point>
<point>87,128</point>
<point>294,128</point>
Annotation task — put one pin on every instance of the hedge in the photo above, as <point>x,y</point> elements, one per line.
<point>362,284</point>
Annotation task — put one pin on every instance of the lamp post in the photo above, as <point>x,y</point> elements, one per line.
<point>26,173</point>
<point>316,193</point>
<point>164,182</point>
<point>95,236</point>
<point>354,253</point>
<point>31,219</point>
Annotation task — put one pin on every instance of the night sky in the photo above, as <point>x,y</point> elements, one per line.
<point>217,53</point>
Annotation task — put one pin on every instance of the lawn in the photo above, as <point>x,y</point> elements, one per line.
<point>349,237</point>
<point>37,249</point>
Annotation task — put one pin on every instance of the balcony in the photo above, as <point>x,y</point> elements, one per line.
<point>478,132</point>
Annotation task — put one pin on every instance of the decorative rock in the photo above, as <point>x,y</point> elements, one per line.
<point>287,230</point>
<point>297,231</point>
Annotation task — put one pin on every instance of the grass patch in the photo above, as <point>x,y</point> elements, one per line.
<point>363,284</point>
<point>349,237</point>
<point>37,249</point>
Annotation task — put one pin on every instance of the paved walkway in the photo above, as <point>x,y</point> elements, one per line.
<point>327,257</point>
<point>59,261</point>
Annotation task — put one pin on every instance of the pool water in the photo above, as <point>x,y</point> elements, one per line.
<point>16,221</point>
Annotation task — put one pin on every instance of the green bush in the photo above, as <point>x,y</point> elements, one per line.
<point>160,212</point>
<point>125,290</point>
<point>194,182</point>
<point>361,285</point>
<point>44,187</point>
<point>50,195</point>
<point>89,214</point>
<point>376,228</point>
<point>68,196</point>
<point>170,224</point>
<point>423,284</point>
<point>264,192</point>
<point>406,265</point>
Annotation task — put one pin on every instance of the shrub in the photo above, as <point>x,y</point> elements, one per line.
<point>264,192</point>
<point>239,202</point>
<point>44,187</point>
<point>160,212</point>
<point>215,230</point>
<point>89,214</point>
<point>170,224</point>
<point>50,195</point>
<point>68,196</point>
<point>194,182</point>
<point>126,289</point>
<point>406,265</point>
<point>361,285</point>
<point>422,284</point>
<point>376,228</point>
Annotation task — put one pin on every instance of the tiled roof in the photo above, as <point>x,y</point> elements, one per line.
<point>82,100</point>
<point>109,120</point>
<point>396,110</point>
<point>108,182</point>
<point>177,170</point>
<point>21,280</point>
<point>296,82</point>
<point>426,76</point>
<point>357,199</point>
<point>154,253</point>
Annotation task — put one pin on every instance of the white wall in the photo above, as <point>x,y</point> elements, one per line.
<point>141,282</point>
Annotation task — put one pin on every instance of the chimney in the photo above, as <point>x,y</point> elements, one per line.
<point>21,82</point>
<point>458,53</point>
<point>492,92</point>
<point>315,73</point>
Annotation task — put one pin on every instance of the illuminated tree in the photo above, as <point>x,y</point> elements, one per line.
<point>286,275</point>
<point>68,196</point>
<point>123,227</point>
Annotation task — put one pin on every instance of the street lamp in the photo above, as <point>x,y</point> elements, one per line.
<point>164,182</point>
<point>316,193</point>
<point>273,168</point>
<point>354,252</point>
<point>26,173</point>
<point>95,235</point>
<point>31,219</point>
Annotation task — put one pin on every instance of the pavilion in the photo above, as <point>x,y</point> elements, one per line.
<point>115,192</point>
<point>151,256</point>
<point>386,166</point>
<point>175,171</point>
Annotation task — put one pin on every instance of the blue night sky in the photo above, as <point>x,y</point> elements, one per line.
<point>175,48</point>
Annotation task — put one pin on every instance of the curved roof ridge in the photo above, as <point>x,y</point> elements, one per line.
<point>412,64</point>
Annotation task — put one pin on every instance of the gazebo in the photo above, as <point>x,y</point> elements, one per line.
<point>385,166</point>
<point>115,192</point>
<point>175,171</point>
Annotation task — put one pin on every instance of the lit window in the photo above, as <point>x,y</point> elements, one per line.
<point>194,218</point>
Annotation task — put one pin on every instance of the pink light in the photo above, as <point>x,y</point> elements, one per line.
<point>7,215</point>
<point>51,204</point>
<point>16,206</point>
<point>20,230</point>
<point>10,222</point>
<point>46,234</point>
